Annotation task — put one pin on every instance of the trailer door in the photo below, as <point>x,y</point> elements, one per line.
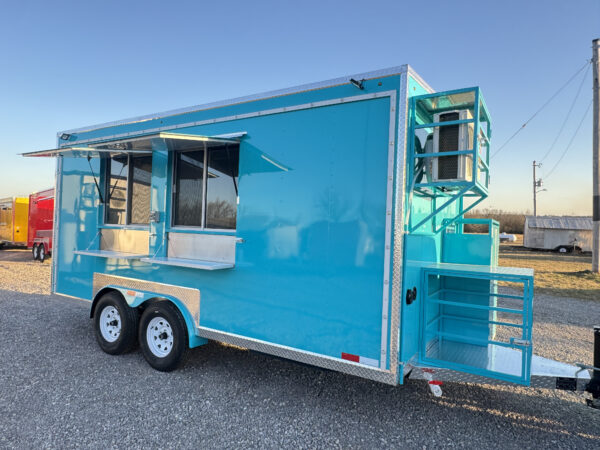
<point>477,320</point>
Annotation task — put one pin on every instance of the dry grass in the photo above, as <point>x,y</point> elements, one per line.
<point>509,222</point>
<point>559,274</point>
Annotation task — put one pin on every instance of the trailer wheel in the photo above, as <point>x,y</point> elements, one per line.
<point>35,252</point>
<point>41,252</point>
<point>163,336</point>
<point>115,324</point>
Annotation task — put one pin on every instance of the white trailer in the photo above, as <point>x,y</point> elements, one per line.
<point>560,233</point>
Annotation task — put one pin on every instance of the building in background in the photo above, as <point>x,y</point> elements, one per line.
<point>561,233</point>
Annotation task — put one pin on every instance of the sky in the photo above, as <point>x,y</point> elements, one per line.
<point>68,64</point>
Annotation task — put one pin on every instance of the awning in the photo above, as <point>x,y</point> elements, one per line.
<point>76,152</point>
<point>139,145</point>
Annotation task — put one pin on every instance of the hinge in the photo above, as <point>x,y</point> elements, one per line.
<point>520,342</point>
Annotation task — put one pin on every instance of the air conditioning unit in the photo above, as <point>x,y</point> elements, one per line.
<point>452,138</point>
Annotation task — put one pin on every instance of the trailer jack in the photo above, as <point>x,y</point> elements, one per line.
<point>593,386</point>
<point>435,386</point>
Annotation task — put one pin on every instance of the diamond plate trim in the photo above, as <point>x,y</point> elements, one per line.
<point>314,359</point>
<point>398,265</point>
<point>188,296</point>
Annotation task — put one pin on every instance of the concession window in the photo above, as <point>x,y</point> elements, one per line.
<point>110,149</point>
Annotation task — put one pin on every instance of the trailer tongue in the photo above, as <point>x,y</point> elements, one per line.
<point>323,223</point>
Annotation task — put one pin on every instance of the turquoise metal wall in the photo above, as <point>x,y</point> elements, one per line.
<point>310,271</point>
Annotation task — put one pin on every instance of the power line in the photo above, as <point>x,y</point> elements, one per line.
<point>562,127</point>
<point>540,109</point>
<point>570,142</point>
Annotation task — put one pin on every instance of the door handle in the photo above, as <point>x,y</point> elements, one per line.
<point>411,295</point>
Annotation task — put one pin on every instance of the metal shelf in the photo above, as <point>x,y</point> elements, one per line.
<point>109,254</point>
<point>190,263</point>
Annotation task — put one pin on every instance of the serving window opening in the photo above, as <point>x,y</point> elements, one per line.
<point>128,183</point>
<point>205,187</point>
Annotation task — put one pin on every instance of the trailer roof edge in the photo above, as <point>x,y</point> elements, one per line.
<point>417,77</point>
<point>396,70</point>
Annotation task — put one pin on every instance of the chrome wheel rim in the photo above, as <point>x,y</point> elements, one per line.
<point>110,323</point>
<point>159,336</point>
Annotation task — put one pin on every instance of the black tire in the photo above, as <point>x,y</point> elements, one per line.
<point>126,338</point>
<point>165,315</point>
<point>41,253</point>
<point>34,252</point>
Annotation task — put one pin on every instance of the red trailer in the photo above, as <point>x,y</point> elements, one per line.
<point>41,219</point>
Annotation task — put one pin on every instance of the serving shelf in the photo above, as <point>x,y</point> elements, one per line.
<point>190,263</point>
<point>109,254</point>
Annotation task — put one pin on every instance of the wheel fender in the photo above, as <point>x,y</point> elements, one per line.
<point>135,298</point>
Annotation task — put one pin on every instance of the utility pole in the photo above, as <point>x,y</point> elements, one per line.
<point>536,185</point>
<point>596,152</point>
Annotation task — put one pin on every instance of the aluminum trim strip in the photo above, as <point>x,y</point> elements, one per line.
<point>396,70</point>
<point>336,101</point>
<point>388,232</point>
<point>56,223</point>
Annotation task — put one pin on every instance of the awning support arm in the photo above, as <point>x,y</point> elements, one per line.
<point>95,180</point>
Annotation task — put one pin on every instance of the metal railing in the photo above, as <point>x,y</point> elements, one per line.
<point>452,191</point>
<point>468,326</point>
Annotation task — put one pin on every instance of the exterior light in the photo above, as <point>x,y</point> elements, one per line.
<point>358,84</point>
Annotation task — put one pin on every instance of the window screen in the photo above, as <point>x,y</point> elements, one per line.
<point>141,181</point>
<point>128,184</point>
<point>189,188</point>
<point>118,170</point>
<point>221,187</point>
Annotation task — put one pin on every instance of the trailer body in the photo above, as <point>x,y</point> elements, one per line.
<point>13,221</point>
<point>307,223</point>
<point>40,221</point>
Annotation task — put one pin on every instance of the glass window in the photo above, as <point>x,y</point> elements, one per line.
<point>221,187</point>
<point>141,181</point>
<point>205,195</point>
<point>116,198</point>
<point>128,184</point>
<point>189,188</point>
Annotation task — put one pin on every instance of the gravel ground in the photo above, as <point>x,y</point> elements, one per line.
<point>58,390</point>
<point>19,272</point>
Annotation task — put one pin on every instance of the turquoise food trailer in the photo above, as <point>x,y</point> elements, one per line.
<point>322,223</point>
